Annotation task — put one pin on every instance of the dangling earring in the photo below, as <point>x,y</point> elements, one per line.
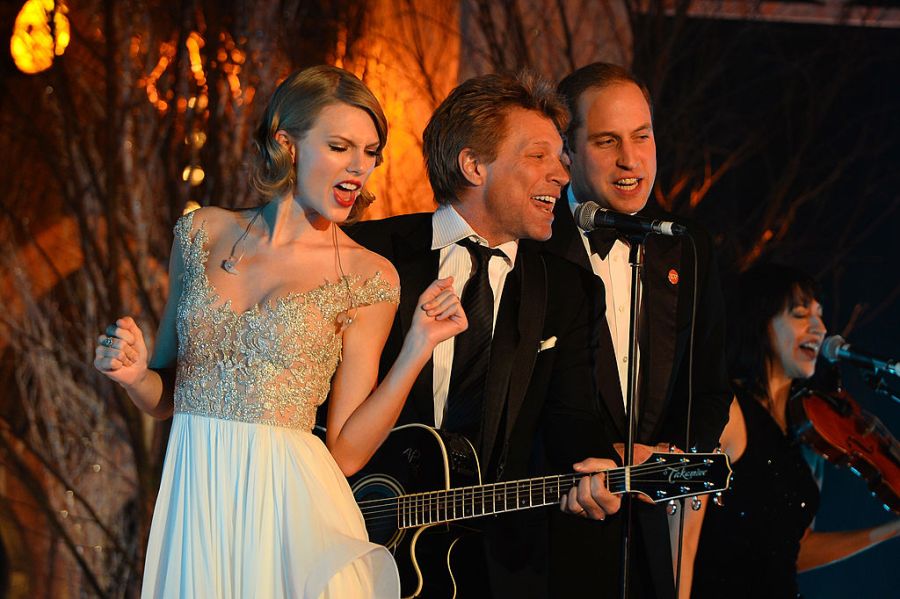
<point>293,177</point>
<point>285,142</point>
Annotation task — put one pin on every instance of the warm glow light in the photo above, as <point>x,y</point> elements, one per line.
<point>166,55</point>
<point>194,42</point>
<point>193,174</point>
<point>340,49</point>
<point>197,138</point>
<point>232,69</point>
<point>32,46</point>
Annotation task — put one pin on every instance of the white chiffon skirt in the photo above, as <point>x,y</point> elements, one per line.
<point>249,510</point>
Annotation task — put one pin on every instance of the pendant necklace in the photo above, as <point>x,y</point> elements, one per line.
<point>229,265</point>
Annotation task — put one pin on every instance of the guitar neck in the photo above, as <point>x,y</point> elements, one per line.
<point>661,477</point>
<point>436,507</point>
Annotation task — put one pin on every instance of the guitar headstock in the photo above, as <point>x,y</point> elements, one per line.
<point>666,476</point>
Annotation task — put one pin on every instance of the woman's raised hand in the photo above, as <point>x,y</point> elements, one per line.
<point>439,315</point>
<point>121,353</point>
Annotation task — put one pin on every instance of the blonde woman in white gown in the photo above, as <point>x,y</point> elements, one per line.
<point>270,310</point>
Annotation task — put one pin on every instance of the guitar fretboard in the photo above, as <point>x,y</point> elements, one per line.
<point>484,500</point>
<point>661,479</point>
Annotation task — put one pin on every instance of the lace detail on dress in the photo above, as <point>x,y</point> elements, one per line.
<point>271,364</point>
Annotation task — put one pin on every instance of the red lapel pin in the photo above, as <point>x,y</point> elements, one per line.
<point>673,276</point>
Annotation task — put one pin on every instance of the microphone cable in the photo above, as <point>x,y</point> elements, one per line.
<point>690,405</point>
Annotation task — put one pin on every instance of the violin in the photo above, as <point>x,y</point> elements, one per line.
<point>834,425</point>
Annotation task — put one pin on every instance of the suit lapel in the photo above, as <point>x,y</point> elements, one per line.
<point>417,265</point>
<point>662,258</point>
<point>514,347</point>
<point>566,243</point>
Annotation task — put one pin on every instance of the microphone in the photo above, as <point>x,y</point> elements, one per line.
<point>590,216</point>
<point>836,348</point>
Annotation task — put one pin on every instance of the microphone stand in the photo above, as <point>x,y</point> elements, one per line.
<point>875,380</point>
<point>636,260</point>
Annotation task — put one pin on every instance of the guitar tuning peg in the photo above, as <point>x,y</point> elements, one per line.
<point>717,499</point>
<point>696,503</point>
<point>672,507</point>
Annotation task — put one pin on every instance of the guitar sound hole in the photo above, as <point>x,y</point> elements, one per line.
<point>376,496</point>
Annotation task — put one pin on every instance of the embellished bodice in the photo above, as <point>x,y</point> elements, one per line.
<point>271,364</point>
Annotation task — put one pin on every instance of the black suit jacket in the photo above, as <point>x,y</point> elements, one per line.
<point>668,280</point>
<point>406,242</point>
<point>520,379</point>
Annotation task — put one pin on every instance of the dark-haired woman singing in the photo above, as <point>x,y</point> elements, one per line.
<point>755,545</point>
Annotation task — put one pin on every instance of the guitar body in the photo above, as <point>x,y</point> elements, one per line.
<point>416,459</point>
<point>421,480</point>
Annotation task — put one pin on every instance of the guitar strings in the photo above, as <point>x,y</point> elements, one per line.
<point>614,476</point>
<point>428,504</point>
<point>434,512</point>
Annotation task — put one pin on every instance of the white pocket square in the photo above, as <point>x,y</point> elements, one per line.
<point>549,343</point>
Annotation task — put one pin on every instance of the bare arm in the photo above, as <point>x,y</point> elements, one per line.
<point>693,522</point>
<point>733,442</point>
<point>359,417</point>
<point>819,549</point>
<point>148,382</point>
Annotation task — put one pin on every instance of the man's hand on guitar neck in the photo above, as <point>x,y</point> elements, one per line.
<point>591,498</point>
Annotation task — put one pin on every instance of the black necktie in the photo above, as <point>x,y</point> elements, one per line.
<point>472,347</point>
<point>602,239</point>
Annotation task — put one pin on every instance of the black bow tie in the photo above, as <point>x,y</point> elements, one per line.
<point>602,239</point>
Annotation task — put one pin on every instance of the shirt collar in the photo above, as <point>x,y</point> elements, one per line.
<point>448,227</point>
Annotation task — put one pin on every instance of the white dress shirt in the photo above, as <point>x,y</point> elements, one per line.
<point>615,272</point>
<point>448,227</point>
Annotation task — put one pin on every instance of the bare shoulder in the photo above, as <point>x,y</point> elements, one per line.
<point>218,221</point>
<point>734,437</point>
<point>214,218</point>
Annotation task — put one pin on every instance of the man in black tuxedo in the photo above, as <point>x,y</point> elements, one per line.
<point>493,152</point>
<point>612,151</point>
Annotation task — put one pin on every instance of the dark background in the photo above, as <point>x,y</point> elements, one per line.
<point>823,98</point>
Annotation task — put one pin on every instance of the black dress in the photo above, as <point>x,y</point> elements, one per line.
<point>748,547</point>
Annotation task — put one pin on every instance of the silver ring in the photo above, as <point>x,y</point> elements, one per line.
<point>107,342</point>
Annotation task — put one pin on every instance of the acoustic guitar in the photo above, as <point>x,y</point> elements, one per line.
<point>422,480</point>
